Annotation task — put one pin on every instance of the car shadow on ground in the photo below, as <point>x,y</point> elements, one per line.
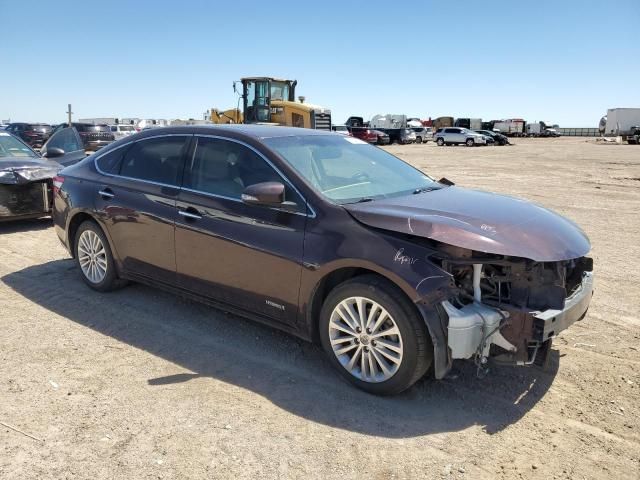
<point>29,225</point>
<point>287,371</point>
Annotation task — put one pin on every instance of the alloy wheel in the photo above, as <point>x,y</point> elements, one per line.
<point>92,256</point>
<point>365,339</point>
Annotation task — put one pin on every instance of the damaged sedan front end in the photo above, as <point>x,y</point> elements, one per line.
<point>26,180</point>
<point>518,272</point>
<point>511,308</point>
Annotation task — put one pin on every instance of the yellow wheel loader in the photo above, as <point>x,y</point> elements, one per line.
<point>269,100</point>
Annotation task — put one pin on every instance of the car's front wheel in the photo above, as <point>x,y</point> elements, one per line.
<point>374,336</point>
<point>440,141</point>
<point>470,142</point>
<point>94,258</point>
<point>418,139</point>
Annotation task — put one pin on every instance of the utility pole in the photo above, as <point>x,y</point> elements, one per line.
<point>69,112</point>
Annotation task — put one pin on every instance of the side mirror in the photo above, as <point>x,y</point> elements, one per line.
<point>269,194</point>
<point>53,152</point>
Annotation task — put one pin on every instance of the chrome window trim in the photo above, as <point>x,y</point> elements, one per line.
<point>151,182</point>
<point>312,213</point>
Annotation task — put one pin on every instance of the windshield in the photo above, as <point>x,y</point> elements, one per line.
<point>279,90</point>
<point>347,170</point>
<point>40,127</point>
<point>89,127</point>
<point>12,147</point>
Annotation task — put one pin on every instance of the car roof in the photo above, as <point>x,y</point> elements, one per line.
<point>255,131</point>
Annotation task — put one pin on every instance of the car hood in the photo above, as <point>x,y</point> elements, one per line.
<point>477,220</point>
<point>15,170</point>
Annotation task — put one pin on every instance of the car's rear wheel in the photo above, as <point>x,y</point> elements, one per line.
<point>374,337</point>
<point>94,258</point>
<point>440,141</point>
<point>470,142</point>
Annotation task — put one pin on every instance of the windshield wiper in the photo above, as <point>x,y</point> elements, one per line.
<point>360,200</point>
<point>424,189</point>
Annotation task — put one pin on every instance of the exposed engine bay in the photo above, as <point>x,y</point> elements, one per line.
<point>511,308</point>
<point>25,199</point>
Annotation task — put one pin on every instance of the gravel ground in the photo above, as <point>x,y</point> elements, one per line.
<point>142,384</point>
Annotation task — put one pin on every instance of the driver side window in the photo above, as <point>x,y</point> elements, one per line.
<point>224,168</point>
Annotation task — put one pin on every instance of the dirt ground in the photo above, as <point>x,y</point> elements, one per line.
<point>142,384</point>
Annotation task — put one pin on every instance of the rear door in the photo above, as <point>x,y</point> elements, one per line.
<point>68,140</point>
<point>137,203</point>
<point>248,256</point>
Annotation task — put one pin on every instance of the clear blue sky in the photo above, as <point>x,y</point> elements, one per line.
<point>563,62</point>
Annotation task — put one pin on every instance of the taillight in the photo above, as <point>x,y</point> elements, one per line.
<point>57,184</point>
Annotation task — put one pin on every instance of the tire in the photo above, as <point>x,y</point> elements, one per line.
<point>470,142</point>
<point>102,276</point>
<point>440,141</point>
<point>418,139</point>
<point>411,347</point>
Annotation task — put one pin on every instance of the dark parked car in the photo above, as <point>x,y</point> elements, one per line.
<point>94,137</point>
<point>331,239</point>
<point>34,134</point>
<point>498,138</point>
<point>26,180</point>
<point>383,138</point>
<point>65,145</point>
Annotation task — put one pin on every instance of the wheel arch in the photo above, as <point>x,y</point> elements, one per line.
<point>340,275</point>
<point>72,228</point>
<point>75,220</point>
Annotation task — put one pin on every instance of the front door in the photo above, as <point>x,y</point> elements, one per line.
<point>245,255</point>
<point>137,203</point>
<point>70,142</point>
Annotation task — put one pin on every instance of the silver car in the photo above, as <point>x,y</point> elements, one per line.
<point>121,131</point>
<point>341,129</point>
<point>423,134</point>
<point>457,136</point>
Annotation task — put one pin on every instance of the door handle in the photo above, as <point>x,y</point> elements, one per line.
<point>106,193</point>
<point>189,213</point>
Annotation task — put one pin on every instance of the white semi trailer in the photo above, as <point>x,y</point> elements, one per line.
<point>512,127</point>
<point>622,122</point>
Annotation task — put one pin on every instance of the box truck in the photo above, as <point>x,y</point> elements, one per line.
<point>623,122</point>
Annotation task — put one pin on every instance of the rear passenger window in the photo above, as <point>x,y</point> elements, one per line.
<point>155,160</point>
<point>110,162</point>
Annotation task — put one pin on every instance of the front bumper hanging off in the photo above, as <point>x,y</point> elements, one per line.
<point>523,336</point>
<point>550,323</point>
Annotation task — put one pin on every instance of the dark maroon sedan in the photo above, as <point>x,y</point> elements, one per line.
<point>331,239</point>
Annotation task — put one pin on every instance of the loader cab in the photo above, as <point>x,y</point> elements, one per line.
<point>257,94</point>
